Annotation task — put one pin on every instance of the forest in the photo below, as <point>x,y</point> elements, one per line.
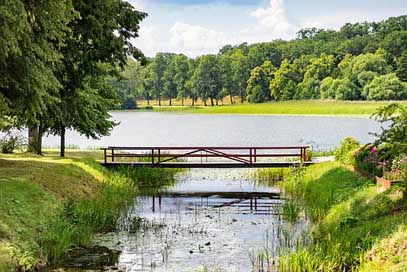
<point>360,61</point>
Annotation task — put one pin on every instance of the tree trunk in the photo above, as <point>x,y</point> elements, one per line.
<point>62,154</point>
<point>231,98</point>
<point>182,101</point>
<point>159,101</point>
<point>148,102</point>
<point>193,101</point>
<point>241,98</point>
<point>212,101</point>
<point>204,100</point>
<point>170,102</point>
<point>33,140</point>
<point>39,139</point>
<point>217,102</point>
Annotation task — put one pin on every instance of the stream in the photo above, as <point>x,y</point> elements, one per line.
<point>210,220</point>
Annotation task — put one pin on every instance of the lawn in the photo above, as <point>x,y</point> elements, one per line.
<point>309,107</point>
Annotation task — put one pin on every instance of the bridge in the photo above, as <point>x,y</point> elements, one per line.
<point>207,157</point>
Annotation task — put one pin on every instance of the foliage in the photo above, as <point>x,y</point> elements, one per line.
<point>11,141</point>
<point>366,159</point>
<point>401,71</point>
<point>258,83</point>
<point>393,139</point>
<point>344,153</point>
<point>386,87</point>
<point>318,64</point>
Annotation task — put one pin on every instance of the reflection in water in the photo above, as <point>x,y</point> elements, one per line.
<point>215,220</point>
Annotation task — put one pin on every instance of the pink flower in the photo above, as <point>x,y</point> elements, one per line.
<point>373,150</point>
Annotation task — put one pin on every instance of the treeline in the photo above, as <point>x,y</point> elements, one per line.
<point>55,57</point>
<point>361,61</point>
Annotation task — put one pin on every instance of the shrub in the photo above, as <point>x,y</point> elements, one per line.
<point>366,160</point>
<point>344,153</point>
<point>11,141</point>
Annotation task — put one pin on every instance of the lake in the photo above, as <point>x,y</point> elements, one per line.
<point>172,129</point>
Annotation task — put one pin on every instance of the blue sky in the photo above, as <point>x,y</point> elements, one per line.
<point>196,27</point>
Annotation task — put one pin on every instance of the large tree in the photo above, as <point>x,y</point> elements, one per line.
<point>259,82</point>
<point>98,43</point>
<point>207,78</point>
<point>31,36</point>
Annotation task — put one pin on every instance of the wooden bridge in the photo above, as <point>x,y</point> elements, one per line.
<point>207,157</point>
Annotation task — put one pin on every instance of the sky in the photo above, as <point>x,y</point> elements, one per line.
<point>197,27</point>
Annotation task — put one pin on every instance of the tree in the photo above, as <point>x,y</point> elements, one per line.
<point>317,70</point>
<point>147,84</point>
<point>32,33</point>
<point>259,82</point>
<point>182,75</point>
<point>207,78</point>
<point>286,78</point>
<point>95,49</point>
<point>240,73</point>
<point>127,86</point>
<point>386,87</point>
<point>158,68</point>
<point>225,64</point>
<point>169,82</point>
<point>401,71</point>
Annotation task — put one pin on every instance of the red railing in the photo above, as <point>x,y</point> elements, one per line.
<point>244,155</point>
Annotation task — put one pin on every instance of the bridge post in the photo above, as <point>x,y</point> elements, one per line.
<point>105,157</point>
<point>255,155</point>
<point>152,156</point>
<point>112,154</point>
<point>251,160</point>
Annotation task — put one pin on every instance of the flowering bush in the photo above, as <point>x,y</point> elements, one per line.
<point>344,152</point>
<point>398,170</point>
<point>366,159</point>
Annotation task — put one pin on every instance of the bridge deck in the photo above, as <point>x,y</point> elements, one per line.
<point>208,164</point>
<point>207,157</point>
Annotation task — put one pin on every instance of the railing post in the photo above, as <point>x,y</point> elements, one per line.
<point>105,155</point>
<point>251,160</point>
<point>112,154</point>
<point>159,155</point>
<point>255,155</point>
<point>152,156</point>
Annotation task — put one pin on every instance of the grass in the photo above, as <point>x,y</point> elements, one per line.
<point>49,205</point>
<point>308,107</point>
<point>357,225</point>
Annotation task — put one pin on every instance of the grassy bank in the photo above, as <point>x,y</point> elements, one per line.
<point>316,107</point>
<point>49,205</point>
<point>357,225</point>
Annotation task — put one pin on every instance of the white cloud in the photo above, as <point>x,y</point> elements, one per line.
<point>149,40</point>
<point>195,40</point>
<point>138,4</point>
<point>272,21</point>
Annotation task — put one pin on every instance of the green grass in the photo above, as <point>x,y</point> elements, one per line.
<point>309,107</point>
<point>49,205</point>
<point>353,219</point>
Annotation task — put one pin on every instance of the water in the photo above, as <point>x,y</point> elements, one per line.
<point>170,129</point>
<point>215,220</point>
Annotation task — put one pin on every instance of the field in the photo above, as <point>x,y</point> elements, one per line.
<point>309,107</point>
